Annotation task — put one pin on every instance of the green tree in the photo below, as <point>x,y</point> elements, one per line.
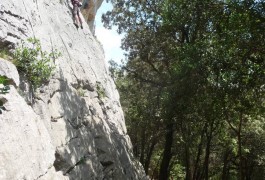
<point>205,62</point>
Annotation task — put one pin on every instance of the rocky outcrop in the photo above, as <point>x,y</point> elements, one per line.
<point>9,70</point>
<point>26,147</point>
<point>74,128</point>
<point>89,10</point>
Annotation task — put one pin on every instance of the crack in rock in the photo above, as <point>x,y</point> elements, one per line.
<point>17,28</point>
<point>54,92</point>
<point>55,119</point>
<point>74,124</point>
<point>44,173</point>
<point>13,35</point>
<point>106,163</point>
<point>71,139</point>
<point>12,14</point>
<point>81,161</point>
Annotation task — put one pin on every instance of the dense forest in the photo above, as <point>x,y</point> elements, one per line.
<point>193,86</point>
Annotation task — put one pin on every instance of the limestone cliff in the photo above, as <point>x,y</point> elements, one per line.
<point>74,127</point>
<point>89,10</point>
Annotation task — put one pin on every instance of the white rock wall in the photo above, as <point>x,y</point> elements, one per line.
<point>89,10</point>
<point>74,128</point>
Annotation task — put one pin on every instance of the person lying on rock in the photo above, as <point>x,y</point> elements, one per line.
<point>76,13</point>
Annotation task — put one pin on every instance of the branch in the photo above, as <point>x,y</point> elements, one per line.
<point>232,127</point>
<point>136,75</point>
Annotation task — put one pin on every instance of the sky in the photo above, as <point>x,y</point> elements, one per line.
<point>110,39</point>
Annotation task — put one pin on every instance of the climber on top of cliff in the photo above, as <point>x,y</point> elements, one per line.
<point>76,13</point>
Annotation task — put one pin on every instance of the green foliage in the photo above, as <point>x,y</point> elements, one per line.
<point>81,92</point>
<point>100,90</point>
<point>4,82</point>
<point>177,171</point>
<point>35,63</point>
<point>4,88</point>
<point>197,66</point>
<point>81,161</point>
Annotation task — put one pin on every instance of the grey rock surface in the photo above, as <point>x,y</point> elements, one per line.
<point>26,148</point>
<point>74,128</point>
<point>9,70</point>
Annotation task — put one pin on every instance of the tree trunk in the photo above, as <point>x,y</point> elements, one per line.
<point>225,172</point>
<point>149,155</point>
<point>207,156</point>
<point>164,167</point>
<point>188,163</point>
<point>196,173</point>
<point>241,174</point>
<point>209,135</point>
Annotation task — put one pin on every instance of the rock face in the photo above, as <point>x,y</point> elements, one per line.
<point>74,128</point>
<point>89,10</point>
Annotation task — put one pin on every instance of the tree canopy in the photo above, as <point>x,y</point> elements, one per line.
<point>192,86</point>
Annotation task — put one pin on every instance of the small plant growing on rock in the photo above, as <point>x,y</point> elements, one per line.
<point>81,161</point>
<point>81,92</point>
<point>4,88</point>
<point>34,63</point>
<point>100,90</point>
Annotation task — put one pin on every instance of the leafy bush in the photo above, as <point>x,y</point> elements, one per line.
<point>35,64</point>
